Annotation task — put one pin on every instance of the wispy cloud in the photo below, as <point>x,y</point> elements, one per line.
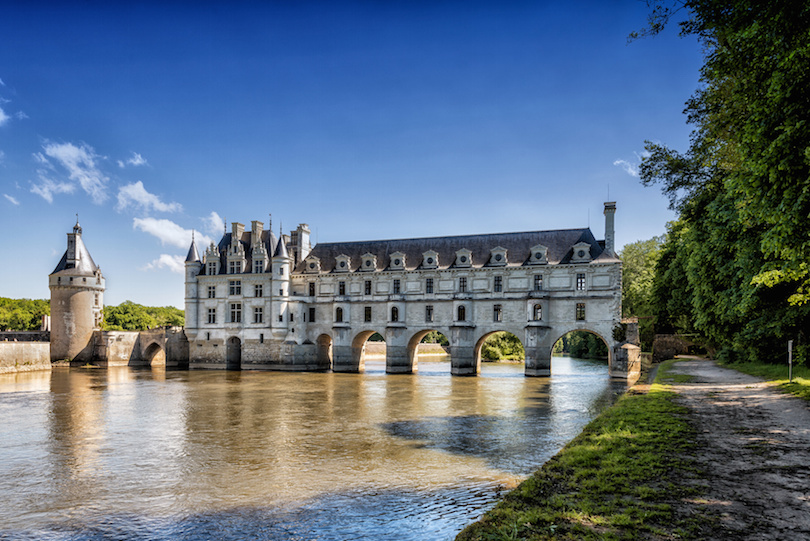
<point>80,163</point>
<point>3,117</point>
<point>135,195</point>
<point>168,232</point>
<point>174,263</point>
<point>47,188</point>
<point>11,199</point>
<point>135,161</point>
<point>2,156</point>
<point>213,224</point>
<point>631,168</point>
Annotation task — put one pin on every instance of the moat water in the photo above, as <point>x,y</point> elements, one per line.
<point>156,454</point>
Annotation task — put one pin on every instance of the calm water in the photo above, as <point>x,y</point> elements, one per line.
<point>154,454</point>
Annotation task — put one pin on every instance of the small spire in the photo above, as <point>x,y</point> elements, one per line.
<point>224,226</point>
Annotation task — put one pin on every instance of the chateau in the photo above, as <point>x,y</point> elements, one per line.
<point>255,301</point>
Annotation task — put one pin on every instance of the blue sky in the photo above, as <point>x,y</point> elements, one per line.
<point>366,120</point>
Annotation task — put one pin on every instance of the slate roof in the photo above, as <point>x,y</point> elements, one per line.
<point>518,246</point>
<point>193,254</point>
<point>268,239</point>
<point>86,266</point>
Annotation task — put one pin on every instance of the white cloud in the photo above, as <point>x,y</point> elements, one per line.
<point>136,195</point>
<point>11,199</point>
<point>3,117</point>
<point>19,115</point>
<point>80,163</point>
<point>47,188</point>
<point>629,168</point>
<point>135,161</point>
<point>2,83</point>
<point>214,224</point>
<point>174,263</point>
<point>3,157</point>
<point>168,232</point>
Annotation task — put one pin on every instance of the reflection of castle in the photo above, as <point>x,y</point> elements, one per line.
<point>255,301</point>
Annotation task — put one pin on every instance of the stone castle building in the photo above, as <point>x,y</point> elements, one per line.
<point>255,301</point>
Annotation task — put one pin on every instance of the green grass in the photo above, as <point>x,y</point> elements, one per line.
<point>778,374</point>
<point>625,477</point>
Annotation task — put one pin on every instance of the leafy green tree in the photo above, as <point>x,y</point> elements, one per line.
<point>582,345</point>
<point>738,259</point>
<point>22,314</point>
<point>435,337</point>
<point>502,346</point>
<point>129,316</point>
<point>638,273</point>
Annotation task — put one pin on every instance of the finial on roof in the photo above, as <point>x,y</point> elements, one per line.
<point>192,235</point>
<point>224,226</point>
<point>270,223</point>
<point>77,229</point>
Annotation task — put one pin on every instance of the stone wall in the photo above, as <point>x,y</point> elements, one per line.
<point>24,356</point>
<point>25,336</point>
<point>667,346</point>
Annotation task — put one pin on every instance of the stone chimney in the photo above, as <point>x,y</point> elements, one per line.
<point>610,236</point>
<point>236,232</point>
<point>256,228</point>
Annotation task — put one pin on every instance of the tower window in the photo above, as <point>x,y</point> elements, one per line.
<point>368,287</point>
<point>462,284</point>
<point>538,282</point>
<point>367,314</point>
<point>581,281</point>
<point>394,314</point>
<point>341,288</point>
<point>429,285</point>
<point>537,312</point>
<point>339,315</point>
<point>429,313</point>
<point>312,289</point>
<point>396,286</point>
<point>580,311</point>
<point>462,313</point>
<point>497,313</point>
<point>312,315</point>
<point>498,286</point>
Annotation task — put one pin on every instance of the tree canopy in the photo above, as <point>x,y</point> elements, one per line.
<point>129,316</point>
<point>22,314</point>
<point>735,267</point>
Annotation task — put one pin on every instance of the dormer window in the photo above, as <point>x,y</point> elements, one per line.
<point>368,262</point>
<point>397,261</point>
<point>342,263</point>
<point>430,260</point>
<point>463,258</point>
<point>497,257</point>
<point>581,252</point>
<point>312,265</point>
<point>539,255</point>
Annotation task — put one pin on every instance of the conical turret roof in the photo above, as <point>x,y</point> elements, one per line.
<point>193,255</point>
<point>281,249</point>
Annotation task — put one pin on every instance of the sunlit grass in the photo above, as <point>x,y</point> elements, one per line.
<point>618,479</point>
<point>778,375</point>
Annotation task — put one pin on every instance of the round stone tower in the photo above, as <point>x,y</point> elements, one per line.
<point>77,297</point>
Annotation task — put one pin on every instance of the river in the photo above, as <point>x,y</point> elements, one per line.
<point>156,454</point>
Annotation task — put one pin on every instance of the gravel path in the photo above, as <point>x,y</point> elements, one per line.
<point>755,450</point>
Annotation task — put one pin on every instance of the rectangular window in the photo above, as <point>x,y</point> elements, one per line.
<point>341,288</point>
<point>235,287</point>
<point>429,313</point>
<point>396,286</point>
<point>538,282</point>
<point>580,311</point>
<point>312,315</point>
<point>368,287</point>
<point>258,290</point>
<point>258,315</point>
<point>581,282</point>
<point>281,318</point>
<point>258,266</point>
<point>236,312</point>
<point>281,271</point>
<point>212,315</point>
<point>212,292</point>
<point>498,284</point>
<point>291,316</point>
<point>429,285</point>
<point>261,338</point>
<point>212,268</point>
<point>234,267</point>
<point>281,292</point>
<point>312,289</point>
<point>367,314</point>
<point>497,313</point>
<point>462,284</point>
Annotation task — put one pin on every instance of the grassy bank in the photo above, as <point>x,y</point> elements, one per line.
<point>778,374</point>
<point>624,477</point>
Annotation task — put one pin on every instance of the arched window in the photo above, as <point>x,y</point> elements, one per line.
<point>339,315</point>
<point>394,314</point>
<point>462,313</point>
<point>537,313</point>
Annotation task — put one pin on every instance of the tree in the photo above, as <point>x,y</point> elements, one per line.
<point>742,188</point>
<point>638,272</point>
<point>502,346</point>
<point>22,314</point>
<point>129,316</point>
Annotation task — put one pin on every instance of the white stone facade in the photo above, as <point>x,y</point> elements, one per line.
<point>314,309</point>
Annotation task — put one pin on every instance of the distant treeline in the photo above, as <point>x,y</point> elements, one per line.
<point>582,345</point>
<point>129,316</point>
<point>23,314</point>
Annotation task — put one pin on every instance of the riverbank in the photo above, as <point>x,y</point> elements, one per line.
<point>704,453</point>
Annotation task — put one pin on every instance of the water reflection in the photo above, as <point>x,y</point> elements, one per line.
<point>123,453</point>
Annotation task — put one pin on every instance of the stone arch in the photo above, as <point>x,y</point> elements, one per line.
<point>154,355</point>
<point>413,348</point>
<point>479,344</point>
<point>324,352</point>
<point>608,343</point>
<point>359,348</point>
<point>233,353</point>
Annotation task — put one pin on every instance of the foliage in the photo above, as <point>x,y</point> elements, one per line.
<point>624,477</point>
<point>22,314</point>
<point>736,265</point>
<point>376,337</point>
<point>129,316</point>
<point>502,346</point>
<point>638,271</point>
<point>582,345</point>
<point>435,337</point>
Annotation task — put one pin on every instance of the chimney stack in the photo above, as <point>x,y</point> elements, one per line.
<point>610,210</point>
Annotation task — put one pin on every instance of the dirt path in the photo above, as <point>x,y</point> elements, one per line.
<point>755,448</point>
